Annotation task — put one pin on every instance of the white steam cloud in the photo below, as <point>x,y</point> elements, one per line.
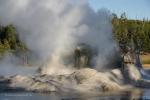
<point>52,28</point>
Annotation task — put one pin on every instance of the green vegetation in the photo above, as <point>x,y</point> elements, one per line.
<point>9,40</point>
<point>124,30</point>
<point>132,30</point>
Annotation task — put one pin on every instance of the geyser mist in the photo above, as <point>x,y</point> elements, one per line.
<point>53,28</point>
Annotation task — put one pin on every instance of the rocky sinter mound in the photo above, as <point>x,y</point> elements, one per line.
<point>83,80</point>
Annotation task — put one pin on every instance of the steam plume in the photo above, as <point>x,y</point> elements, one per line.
<point>52,28</point>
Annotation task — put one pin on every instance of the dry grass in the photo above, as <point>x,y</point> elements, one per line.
<point>146,66</point>
<point>145,60</point>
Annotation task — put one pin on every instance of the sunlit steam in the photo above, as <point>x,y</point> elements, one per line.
<point>53,28</point>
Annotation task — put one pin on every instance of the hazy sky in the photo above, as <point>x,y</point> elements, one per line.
<point>135,9</point>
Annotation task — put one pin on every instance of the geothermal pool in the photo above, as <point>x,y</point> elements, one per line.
<point>135,94</point>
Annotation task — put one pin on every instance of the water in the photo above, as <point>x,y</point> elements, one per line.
<point>28,96</point>
<point>134,95</point>
<point>141,94</point>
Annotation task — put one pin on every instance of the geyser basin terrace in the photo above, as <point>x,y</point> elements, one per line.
<point>83,80</point>
<point>73,43</point>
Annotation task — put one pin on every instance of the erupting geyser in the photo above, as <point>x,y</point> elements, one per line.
<point>53,28</point>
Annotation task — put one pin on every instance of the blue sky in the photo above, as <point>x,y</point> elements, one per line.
<point>135,9</point>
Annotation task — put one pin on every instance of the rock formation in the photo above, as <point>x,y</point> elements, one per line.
<point>83,80</point>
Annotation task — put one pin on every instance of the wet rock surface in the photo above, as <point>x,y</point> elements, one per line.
<point>83,80</point>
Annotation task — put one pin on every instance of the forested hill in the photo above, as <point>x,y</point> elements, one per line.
<point>123,29</point>
<point>9,40</point>
<point>136,30</point>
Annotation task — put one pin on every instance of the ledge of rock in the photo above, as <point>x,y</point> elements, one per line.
<point>83,80</point>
